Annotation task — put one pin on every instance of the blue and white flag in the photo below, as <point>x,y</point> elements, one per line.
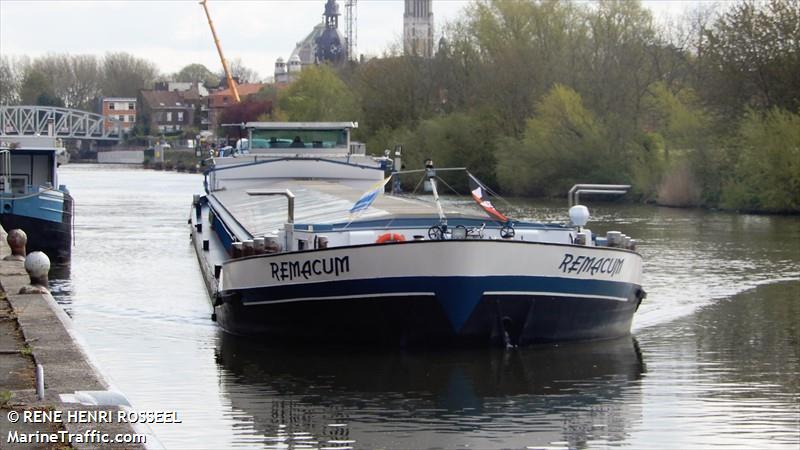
<point>366,200</point>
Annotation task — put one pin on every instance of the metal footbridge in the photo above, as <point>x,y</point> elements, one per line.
<point>25,120</point>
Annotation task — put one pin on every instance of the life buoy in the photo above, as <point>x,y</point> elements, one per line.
<point>390,237</point>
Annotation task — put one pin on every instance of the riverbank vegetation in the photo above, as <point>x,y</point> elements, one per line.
<point>538,96</point>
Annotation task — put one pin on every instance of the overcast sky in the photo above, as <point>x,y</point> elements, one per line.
<point>173,34</point>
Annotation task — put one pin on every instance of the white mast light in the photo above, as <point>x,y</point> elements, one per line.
<point>579,215</point>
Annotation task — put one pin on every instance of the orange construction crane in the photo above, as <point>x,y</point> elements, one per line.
<point>231,83</point>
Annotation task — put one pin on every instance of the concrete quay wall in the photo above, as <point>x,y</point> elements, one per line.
<point>35,330</point>
<point>121,157</point>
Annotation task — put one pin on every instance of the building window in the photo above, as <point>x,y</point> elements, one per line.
<point>180,116</point>
<point>133,118</point>
<point>169,116</point>
<point>111,106</point>
<point>131,106</point>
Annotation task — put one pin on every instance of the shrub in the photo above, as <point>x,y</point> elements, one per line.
<point>767,172</point>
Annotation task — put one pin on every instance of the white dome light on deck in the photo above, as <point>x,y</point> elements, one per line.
<point>579,215</point>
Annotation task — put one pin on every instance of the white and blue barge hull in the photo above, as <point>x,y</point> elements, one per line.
<point>283,259</point>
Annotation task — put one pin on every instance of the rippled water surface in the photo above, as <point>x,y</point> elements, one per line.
<point>714,360</point>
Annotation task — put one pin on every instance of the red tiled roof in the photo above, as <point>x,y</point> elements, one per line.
<point>224,98</point>
<point>244,89</point>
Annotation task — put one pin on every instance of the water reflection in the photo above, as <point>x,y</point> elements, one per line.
<point>572,394</point>
<point>726,376</point>
<point>61,285</point>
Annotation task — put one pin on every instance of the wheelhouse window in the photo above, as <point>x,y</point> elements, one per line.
<point>299,138</point>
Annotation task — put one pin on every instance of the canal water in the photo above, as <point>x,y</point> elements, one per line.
<point>714,361</point>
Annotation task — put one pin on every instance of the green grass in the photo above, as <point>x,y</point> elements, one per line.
<point>5,398</point>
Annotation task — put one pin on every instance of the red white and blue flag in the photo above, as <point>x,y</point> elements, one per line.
<point>482,198</point>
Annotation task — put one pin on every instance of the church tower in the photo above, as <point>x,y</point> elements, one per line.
<point>418,28</point>
<point>330,45</point>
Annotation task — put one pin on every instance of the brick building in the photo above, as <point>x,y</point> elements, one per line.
<point>118,112</point>
<point>166,111</point>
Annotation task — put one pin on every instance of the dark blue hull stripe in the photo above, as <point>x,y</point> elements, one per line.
<point>54,239</point>
<point>457,296</point>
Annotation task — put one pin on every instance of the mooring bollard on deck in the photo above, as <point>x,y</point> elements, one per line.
<point>17,240</point>
<point>37,264</point>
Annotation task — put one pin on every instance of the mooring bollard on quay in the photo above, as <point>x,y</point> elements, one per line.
<point>37,264</point>
<point>62,381</point>
<point>17,240</point>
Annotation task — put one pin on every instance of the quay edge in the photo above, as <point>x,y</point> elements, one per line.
<point>69,369</point>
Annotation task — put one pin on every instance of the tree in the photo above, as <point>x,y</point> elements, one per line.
<point>676,116</point>
<point>454,140</point>
<point>46,99</point>
<point>617,66</point>
<point>239,72</point>
<point>563,144</point>
<point>524,47</point>
<point>10,79</point>
<point>124,75</point>
<point>35,84</point>
<point>85,81</point>
<point>394,91</point>
<point>71,81</point>
<point>75,79</point>
<point>750,58</point>
<point>318,95</point>
<point>246,111</point>
<point>197,73</point>
<point>767,173</point>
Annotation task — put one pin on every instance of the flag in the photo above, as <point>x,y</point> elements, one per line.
<point>482,198</point>
<point>366,200</point>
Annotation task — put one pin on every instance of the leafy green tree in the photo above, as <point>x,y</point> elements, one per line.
<point>767,173</point>
<point>676,134</point>
<point>563,144</point>
<point>522,48</point>
<point>454,140</point>
<point>394,91</point>
<point>197,73</point>
<point>677,116</point>
<point>318,95</point>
